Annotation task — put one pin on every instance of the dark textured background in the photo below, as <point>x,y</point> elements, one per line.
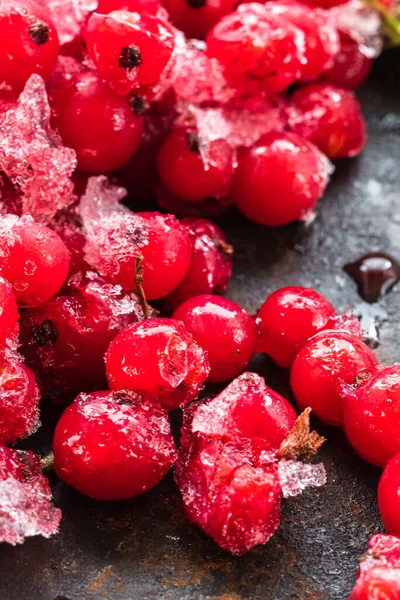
<point>144,548</point>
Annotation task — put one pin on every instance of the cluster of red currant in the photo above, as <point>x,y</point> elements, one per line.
<point>113,86</point>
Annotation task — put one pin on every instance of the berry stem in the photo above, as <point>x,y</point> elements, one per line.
<point>47,463</point>
<point>225,248</point>
<point>390,21</point>
<point>301,442</point>
<point>139,286</point>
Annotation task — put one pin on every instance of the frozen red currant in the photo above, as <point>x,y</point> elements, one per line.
<point>113,445</point>
<point>320,35</point>
<point>129,49</point>
<point>328,371</point>
<point>379,574</point>
<point>64,341</point>
<point>29,42</point>
<point>99,125</point>
<point>352,66</point>
<point>19,399</point>
<point>25,498</point>
<point>159,359</point>
<point>370,419</point>
<point>116,240</point>
<point>389,495</point>
<point>279,179</point>
<point>247,408</point>
<point>194,170</point>
<point>196,17</point>
<point>288,318</point>
<point>33,259</point>
<point>211,265</point>
<point>224,330</point>
<point>8,315</point>
<point>232,494</point>
<point>330,118</point>
<point>258,50</point>
<point>147,6</point>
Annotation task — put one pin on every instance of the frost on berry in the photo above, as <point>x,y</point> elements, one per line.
<point>239,456</point>
<point>25,498</point>
<point>19,400</point>
<point>114,235</point>
<point>32,155</point>
<point>361,23</point>
<point>70,17</point>
<point>379,573</point>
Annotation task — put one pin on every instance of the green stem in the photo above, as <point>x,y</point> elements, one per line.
<point>390,21</point>
<point>48,463</point>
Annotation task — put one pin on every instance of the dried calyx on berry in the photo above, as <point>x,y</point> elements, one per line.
<point>39,32</point>
<point>130,57</point>
<point>241,449</point>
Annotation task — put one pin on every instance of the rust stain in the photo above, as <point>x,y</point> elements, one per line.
<point>105,583</point>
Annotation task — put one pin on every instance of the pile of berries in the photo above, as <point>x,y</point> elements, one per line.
<point>196,106</point>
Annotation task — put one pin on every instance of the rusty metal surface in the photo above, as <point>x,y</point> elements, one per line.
<point>144,548</point>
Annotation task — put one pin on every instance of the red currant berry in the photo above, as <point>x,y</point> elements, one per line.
<point>9,315</point>
<point>320,34</point>
<point>25,498</point>
<point>33,259</point>
<point>197,17</point>
<point>151,7</point>
<point>68,227</point>
<point>370,420</point>
<point>330,118</point>
<point>351,67</point>
<point>98,124</point>
<point>29,42</point>
<point>159,359</point>
<point>19,399</point>
<point>129,49</point>
<point>193,171</point>
<point>324,3</point>
<point>279,179</point>
<point>224,330</point>
<point>64,341</point>
<point>258,50</point>
<point>247,408</point>
<point>327,372</point>
<point>211,265</point>
<point>389,495</point>
<point>288,318</point>
<point>379,574</point>
<point>232,494</point>
<point>113,445</point>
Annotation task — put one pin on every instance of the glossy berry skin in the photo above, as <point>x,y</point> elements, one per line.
<point>19,400</point>
<point>225,331</point>
<point>320,34</point>
<point>370,419</point>
<point>29,42</point>
<point>379,574</point>
<point>166,256</point>
<point>64,341</point>
<point>33,259</point>
<point>113,445</point>
<point>211,265</point>
<point>197,17</point>
<point>231,493</point>
<point>330,118</point>
<point>327,372</point>
<point>279,179</point>
<point>288,318</point>
<point>389,495</point>
<point>98,124</point>
<point>246,408</point>
<point>9,315</point>
<point>159,359</point>
<point>258,50</point>
<point>192,171</point>
<point>147,6</point>
<point>351,67</point>
<point>129,49</point>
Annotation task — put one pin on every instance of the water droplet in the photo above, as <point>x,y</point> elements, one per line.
<point>375,274</point>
